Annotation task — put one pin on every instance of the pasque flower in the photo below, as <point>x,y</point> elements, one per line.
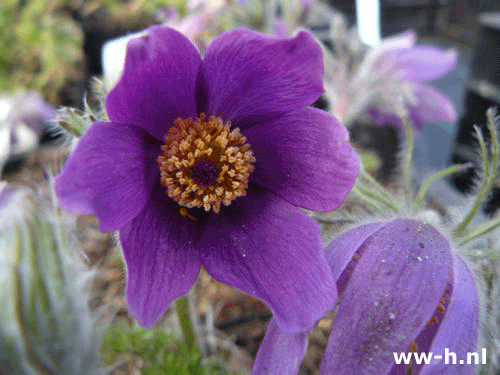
<point>205,162</point>
<point>22,118</point>
<point>390,79</point>
<point>407,67</point>
<point>402,289</point>
<point>46,325</point>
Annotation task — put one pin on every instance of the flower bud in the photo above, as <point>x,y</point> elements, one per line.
<point>46,327</point>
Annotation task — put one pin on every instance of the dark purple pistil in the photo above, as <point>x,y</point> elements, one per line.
<point>204,173</point>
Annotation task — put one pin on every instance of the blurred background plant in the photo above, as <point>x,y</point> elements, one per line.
<point>40,48</point>
<point>154,351</point>
<point>46,325</point>
<point>128,11</point>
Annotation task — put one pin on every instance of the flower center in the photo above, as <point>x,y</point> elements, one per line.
<point>205,163</point>
<point>205,173</point>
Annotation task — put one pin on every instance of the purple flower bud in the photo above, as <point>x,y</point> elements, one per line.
<point>402,289</point>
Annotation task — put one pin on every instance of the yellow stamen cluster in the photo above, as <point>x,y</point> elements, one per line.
<point>205,146</point>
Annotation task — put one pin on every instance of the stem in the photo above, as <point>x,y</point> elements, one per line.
<point>489,253</point>
<point>479,231</point>
<point>426,185</point>
<point>407,166</point>
<point>182,310</point>
<point>368,200</point>
<point>379,197</point>
<point>334,221</point>
<point>368,177</point>
<point>484,185</point>
<point>495,149</point>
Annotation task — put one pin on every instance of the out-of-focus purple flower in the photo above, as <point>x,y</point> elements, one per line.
<point>289,16</point>
<point>306,6</point>
<point>22,118</point>
<point>402,289</point>
<point>220,190</point>
<point>306,3</point>
<point>391,79</point>
<point>30,109</point>
<point>279,28</point>
<point>192,26</point>
<point>167,14</point>
<point>213,5</point>
<point>409,66</point>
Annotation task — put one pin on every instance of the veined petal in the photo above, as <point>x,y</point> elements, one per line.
<point>425,63</point>
<point>433,106</point>
<point>247,77</point>
<point>458,330</point>
<point>390,297</point>
<point>280,352</point>
<point>158,83</point>
<point>272,251</point>
<point>162,263</point>
<point>305,158</point>
<point>385,51</point>
<point>109,174</point>
<point>341,250</point>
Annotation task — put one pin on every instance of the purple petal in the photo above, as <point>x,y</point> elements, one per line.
<point>305,158</point>
<point>158,84</point>
<point>279,28</point>
<point>306,4</point>
<point>32,110</point>
<point>162,263</point>
<point>392,294</point>
<point>248,77</point>
<point>385,51</point>
<point>433,106</point>
<point>406,39</point>
<point>110,174</point>
<point>339,253</point>
<point>270,250</point>
<point>459,328</point>
<point>280,352</point>
<point>385,118</point>
<point>425,63</point>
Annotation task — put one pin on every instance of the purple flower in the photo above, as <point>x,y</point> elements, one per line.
<point>279,28</point>
<point>22,118</point>
<point>205,162</point>
<point>406,67</point>
<point>388,80</point>
<point>402,289</point>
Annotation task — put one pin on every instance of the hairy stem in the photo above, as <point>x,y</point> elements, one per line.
<point>182,310</point>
